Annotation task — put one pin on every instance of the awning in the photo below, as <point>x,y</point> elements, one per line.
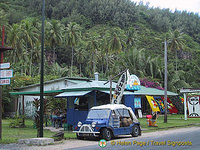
<point>75,93</point>
<point>125,92</point>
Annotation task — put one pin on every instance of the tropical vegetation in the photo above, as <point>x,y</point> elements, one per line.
<point>107,36</point>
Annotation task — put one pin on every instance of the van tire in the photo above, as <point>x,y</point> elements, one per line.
<point>106,134</point>
<point>135,131</point>
<point>79,137</point>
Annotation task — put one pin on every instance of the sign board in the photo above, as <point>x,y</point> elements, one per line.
<point>189,90</point>
<point>6,74</point>
<point>137,102</point>
<point>4,81</point>
<point>4,65</point>
<point>120,87</point>
<point>133,82</point>
<point>193,106</point>
<point>139,113</point>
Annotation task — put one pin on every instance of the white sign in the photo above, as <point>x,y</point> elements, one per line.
<point>4,81</point>
<point>120,87</point>
<point>4,65</point>
<point>193,106</point>
<point>6,73</point>
<point>139,113</point>
<point>189,90</point>
<point>133,82</point>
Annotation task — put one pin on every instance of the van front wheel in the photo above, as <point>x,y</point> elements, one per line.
<point>106,134</point>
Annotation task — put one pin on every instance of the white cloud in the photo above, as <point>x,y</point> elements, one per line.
<point>189,5</point>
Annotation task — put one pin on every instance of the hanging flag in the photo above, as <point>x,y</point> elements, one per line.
<point>172,109</point>
<point>160,103</point>
<point>153,104</point>
<point>120,87</point>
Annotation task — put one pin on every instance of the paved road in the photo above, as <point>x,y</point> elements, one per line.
<point>149,141</point>
<point>163,140</point>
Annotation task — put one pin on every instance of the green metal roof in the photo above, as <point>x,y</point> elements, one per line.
<point>46,93</point>
<point>77,81</point>
<point>96,85</point>
<point>101,86</point>
<point>152,91</point>
<point>91,85</point>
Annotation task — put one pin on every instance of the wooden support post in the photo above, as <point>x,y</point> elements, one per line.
<point>16,104</point>
<point>95,98</point>
<point>185,106</point>
<point>23,116</point>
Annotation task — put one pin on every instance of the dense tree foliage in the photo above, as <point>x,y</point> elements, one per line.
<point>105,36</point>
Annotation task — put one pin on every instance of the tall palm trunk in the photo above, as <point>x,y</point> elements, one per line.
<point>102,63</point>
<point>25,69</point>
<point>94,61</point>
<point>54,53</point>
<point>30,67</point>
<point>176,61</point>
<point>80,69</point>
<point>107,63</point>
<point>72,60</point>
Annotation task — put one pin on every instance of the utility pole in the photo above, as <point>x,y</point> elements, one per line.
<point>42,74</point>
<point>165,100</point>
<point>110,89</point>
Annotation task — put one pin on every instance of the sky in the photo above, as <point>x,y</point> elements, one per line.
<point>188,5</point>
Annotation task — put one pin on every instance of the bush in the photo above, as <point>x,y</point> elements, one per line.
<point>17,122</point>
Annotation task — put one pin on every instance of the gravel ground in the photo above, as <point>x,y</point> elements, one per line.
<point>71,144</point>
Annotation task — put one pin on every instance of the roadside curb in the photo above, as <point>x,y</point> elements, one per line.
<point>157,128</point>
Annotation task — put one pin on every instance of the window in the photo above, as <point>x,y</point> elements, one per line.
<point>98,114</point>
<point>122,112</point>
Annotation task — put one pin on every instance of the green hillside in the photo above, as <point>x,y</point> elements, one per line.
<point>105,36</point>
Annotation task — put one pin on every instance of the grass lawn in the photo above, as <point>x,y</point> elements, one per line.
<point>11,135</point>
<point>173,121</point>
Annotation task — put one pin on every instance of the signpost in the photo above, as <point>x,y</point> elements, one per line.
<point>184,91</point>
<point>4,81</point>
<point>5,75</point>
<point>4,65</point>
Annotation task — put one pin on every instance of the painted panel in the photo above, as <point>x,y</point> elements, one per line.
<point>193,106</point>
<point>137,102</point>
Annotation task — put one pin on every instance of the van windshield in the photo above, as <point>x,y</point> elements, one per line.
<point>98,114</point>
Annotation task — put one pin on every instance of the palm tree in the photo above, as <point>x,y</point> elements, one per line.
<point>115,44</point>
<point>80,57</point>
<point>93,50</point>
<point>30,36</point>
<point>176,42</point>
<point>3,13</point>
<point>14,41</point>
<point>135,60</point>
<point>73,35</point>
<point>57,70</point>
<point>54,35</point>
<point>131,37</point>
